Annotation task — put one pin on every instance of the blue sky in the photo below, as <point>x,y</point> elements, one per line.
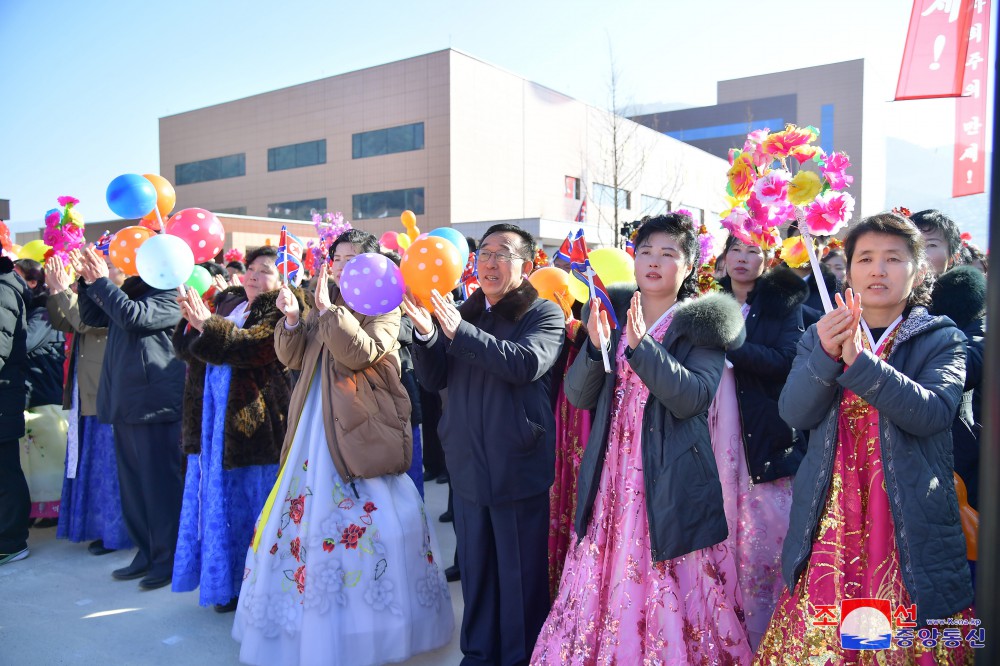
<point>83,83</point>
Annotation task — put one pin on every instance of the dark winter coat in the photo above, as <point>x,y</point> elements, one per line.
<point>46,354</point>
<point>916,392</point>
<point>14,296</point>
<point>960,295</point>
<point>259,389</point>
<point>812,309</point>
<point>142,381</point>
<point>683,492</point>
<point>761,366</point>
<point>498,431</point>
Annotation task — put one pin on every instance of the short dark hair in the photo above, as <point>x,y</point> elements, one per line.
<point>262,251</point>
<point>214,269</point>
<point>472,243</point>
<point>682,228</point>
<point>934,220</point>
<point>975,254</point>
<point>526,248</point>
<point>894,224</point>
<point>238,266</point>
<point>833,254</point>
<point>392,256</point>
<point>34,271</point>
<point>364,241</point>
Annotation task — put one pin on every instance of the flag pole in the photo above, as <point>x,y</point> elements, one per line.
<point>813,260</point>
<point>600,329</point>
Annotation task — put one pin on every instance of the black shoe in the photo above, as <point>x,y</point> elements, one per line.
<point>137,569</point>
<point>430,476</point>
<point>444,478</point>
<point>227,608</point>
<point>155,581</point>
<point>446,517</point>
<point>452,573</point>
<point>42,523</point>
<point>97,548</point>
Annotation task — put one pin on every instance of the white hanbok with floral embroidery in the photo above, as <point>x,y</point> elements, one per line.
<point>339,577</point>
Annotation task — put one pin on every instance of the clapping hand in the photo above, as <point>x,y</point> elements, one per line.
<point>842,324</point>
<point>322,294</point>
<point>92,265</point>
<point>852,344</point>
<point>635,328</point>
<point>597,324</point>
<point>194,310</point>
<point>418,314</point>
<point>56,277</point>
<point>446,314</point>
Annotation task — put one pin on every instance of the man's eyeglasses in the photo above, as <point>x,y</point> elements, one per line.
<point>484,256</point>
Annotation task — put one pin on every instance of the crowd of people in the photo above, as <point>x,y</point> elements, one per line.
<point>750,461</point>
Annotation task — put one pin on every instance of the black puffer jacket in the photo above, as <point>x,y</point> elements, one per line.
<point>14,294</point>
<point>46,353</point>
<point>761,366</point>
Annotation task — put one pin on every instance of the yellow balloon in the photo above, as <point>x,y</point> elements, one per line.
<point>578,289</point>
<point>404,241</point>
<point>35,249</point>
<point>613,265</point>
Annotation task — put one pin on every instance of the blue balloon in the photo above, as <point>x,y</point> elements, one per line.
<point>131,196</point>
<point>455,237</point>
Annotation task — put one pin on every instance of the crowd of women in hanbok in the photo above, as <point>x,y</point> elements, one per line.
<point>750,462</point>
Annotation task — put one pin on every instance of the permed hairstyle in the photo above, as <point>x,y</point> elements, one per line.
<point>684,230</point>
<point>525,249</point>
<point>894,224</point>
<point>934,220</point>
<point>262,251</point>
<point>364,241</point>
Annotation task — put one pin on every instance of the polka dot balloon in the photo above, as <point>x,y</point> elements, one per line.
<point>200,229</point>
<point>371,284</point>
<point>431,263</point>
<point>123,246</point>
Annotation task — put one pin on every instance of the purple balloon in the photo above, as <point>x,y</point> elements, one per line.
<point>371,284</point>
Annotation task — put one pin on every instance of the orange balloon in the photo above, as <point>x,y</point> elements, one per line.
<point>413,232</point>
<point>166,198</point>
<point>431,263</point>
<point>552,284</point>
<point>408,219</point>
<point>969,518</point>
<point>123,246</point>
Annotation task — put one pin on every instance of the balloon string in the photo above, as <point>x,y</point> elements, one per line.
<point>156,209</point>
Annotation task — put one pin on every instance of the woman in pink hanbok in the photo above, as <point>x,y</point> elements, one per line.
<point>648,578</point>
<point>875,514</point>
<point>756,451</point>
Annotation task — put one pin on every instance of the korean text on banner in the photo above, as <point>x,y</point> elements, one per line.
<point>969,169</point>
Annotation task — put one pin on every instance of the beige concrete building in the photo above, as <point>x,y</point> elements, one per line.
<point>457,140</point>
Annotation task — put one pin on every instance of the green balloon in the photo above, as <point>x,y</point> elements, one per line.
<point>200,280</point>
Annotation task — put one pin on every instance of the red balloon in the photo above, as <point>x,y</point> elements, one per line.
<point>389,241</point>
<point>200,229</point>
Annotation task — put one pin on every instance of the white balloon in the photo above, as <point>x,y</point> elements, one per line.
<point>164,261</point>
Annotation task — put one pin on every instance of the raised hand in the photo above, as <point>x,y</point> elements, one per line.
<point>56,277</point>
<point>446,314</point>
<point>418,314</point>
<point>853,344</point>
<point>322,294</point>
<point>194,310</point>
<point>597,323</point>
<point>288,304</point>
<point>835,327</point>
<point>635,327</point>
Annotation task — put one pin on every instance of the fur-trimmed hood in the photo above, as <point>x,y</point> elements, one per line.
<point>778,291</point>
<point>511,307</point>
<point>960,295</point>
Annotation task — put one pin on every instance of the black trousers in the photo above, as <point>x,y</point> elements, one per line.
<point>430,409</point>
<point>149,474</point>
<point>503,556</point>
<point>15,502</point>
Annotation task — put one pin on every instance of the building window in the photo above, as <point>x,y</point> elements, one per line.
<point>236,210</point>
<point>297,210</point>
<point>216,168</point>
<point>604,195</point>
<point>390,140</point>
<point>653,206</point>
<point>388,204</point>
<point>296,155</point>
<point>572,188</point>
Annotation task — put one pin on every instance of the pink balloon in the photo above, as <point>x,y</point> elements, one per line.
<point>389,241</point>
<point>421,236</point>
<point>200,229</point>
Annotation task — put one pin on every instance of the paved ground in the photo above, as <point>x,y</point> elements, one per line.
<point>61,606</point>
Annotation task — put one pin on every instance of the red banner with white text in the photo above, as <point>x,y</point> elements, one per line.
<point>969,172</point>
<point>936,48</point>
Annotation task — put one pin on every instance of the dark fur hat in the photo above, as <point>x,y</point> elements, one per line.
<point>960,295</point>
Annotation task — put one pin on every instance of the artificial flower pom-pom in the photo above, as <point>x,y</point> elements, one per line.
<point>68,201</point>
<point>829,213</point>
<point>834,170</point>
<point>804,187</point>
<point>772,189</point>
<point>742,175</point>
<point>794,252</point>
<point>782,144</point>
